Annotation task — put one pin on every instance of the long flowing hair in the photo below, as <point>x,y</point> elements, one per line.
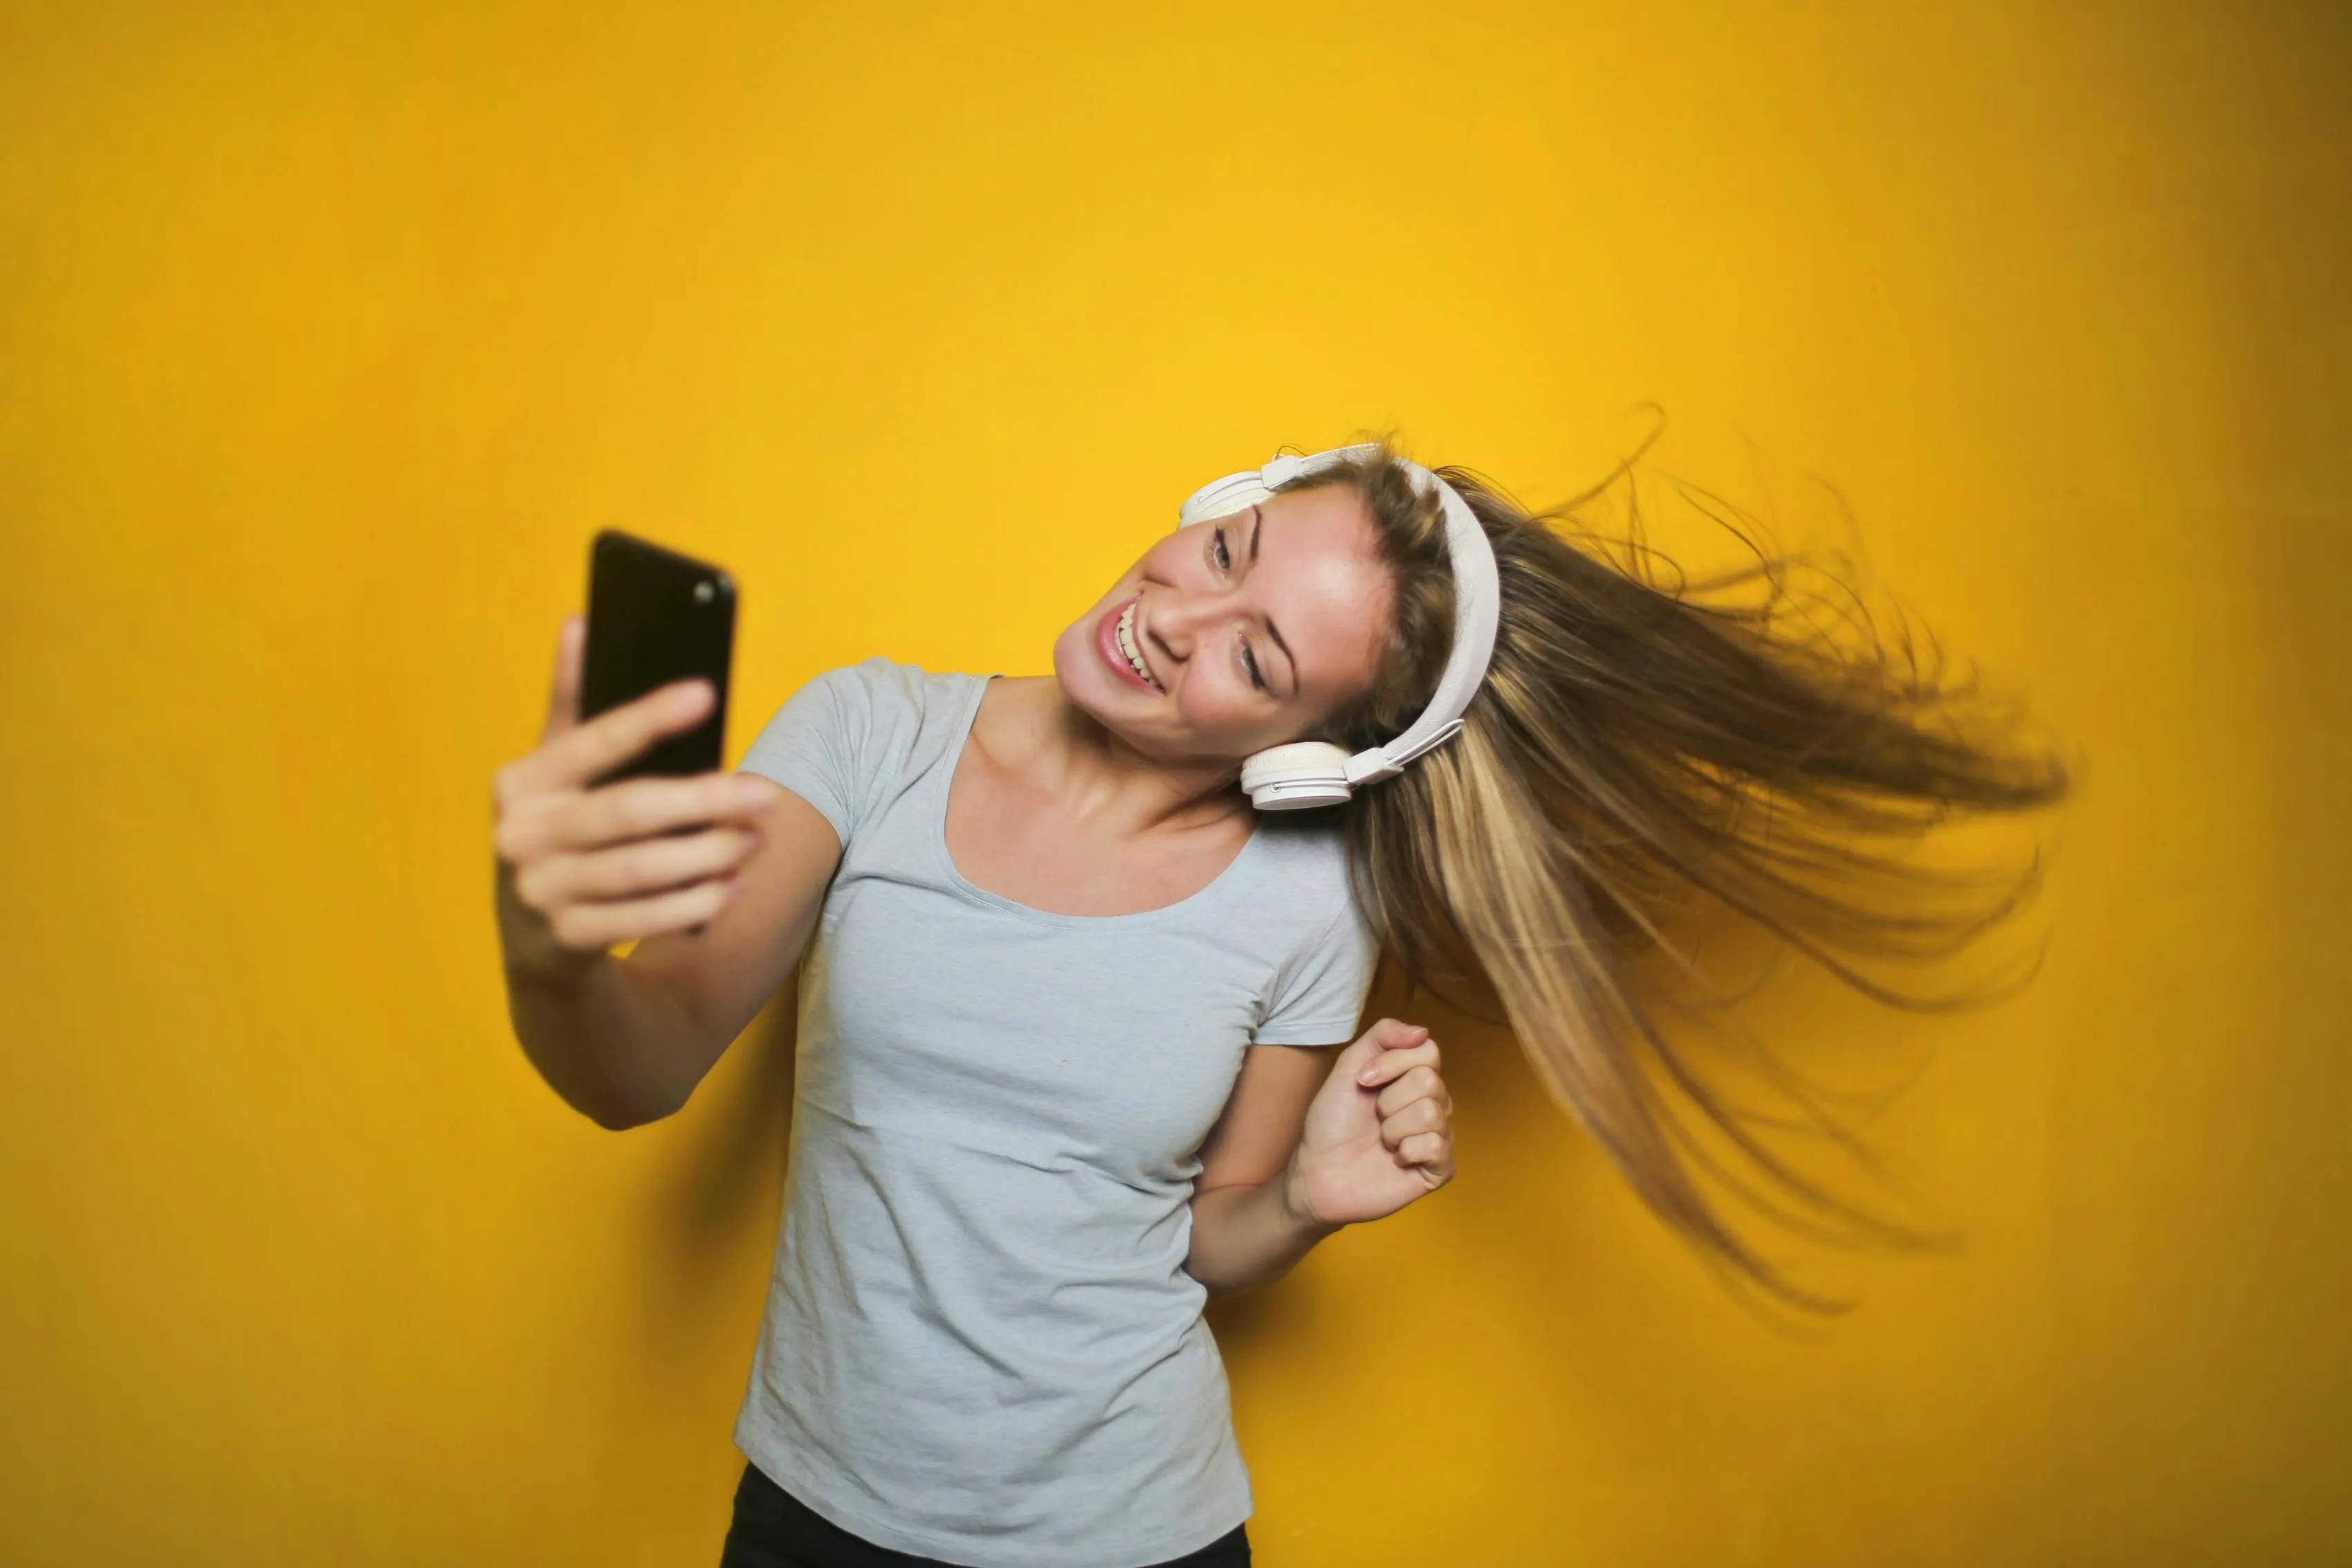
<point>1647,742</point>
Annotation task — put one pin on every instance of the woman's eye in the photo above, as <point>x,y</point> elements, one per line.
<point>1223,557</point>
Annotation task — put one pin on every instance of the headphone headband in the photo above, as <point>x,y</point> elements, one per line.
<point>1315,773</point>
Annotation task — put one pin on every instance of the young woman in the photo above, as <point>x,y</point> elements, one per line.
<point>1076,1010</point>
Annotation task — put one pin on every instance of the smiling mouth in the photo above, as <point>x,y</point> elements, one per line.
<point>1130,647</point>
<point>1125,636</point>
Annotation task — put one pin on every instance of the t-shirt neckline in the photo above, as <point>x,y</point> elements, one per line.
<point>959,740</point>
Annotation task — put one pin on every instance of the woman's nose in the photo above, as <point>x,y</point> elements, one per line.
<point>1178,618</point>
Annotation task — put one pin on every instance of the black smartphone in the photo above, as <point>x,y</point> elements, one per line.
<point>656,616</point>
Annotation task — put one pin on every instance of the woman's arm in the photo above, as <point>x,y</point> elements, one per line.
<point>717,878</point>
<point>1247,1228</point>
<point>1311,1140</point>
<point>625,1040</point>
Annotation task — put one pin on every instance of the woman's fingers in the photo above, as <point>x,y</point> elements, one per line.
<point>1421,1116</point>
<point>1420,1082</point>
<point>622,860</point>
<point>1363,1059</point>
<point>576,756</point>
<point>601,863</point>
<point>642,808</point>
<point>1433,1152</point>
<point>563,697</point>
<point>633,870</point>
<point>1394,1063</point>
<point>582,820</point>
<point>590,926</point>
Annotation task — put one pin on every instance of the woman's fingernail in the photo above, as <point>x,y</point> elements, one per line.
<point>1368,1074</point>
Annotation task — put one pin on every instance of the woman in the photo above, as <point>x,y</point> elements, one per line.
<point>1074,1014</point>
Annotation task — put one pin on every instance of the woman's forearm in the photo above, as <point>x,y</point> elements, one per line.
<point>608,1039</point>
<point>1249,1236</point>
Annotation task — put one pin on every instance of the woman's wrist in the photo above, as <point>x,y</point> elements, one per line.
<point>1291,1189</point>
<point>1244,1237</point>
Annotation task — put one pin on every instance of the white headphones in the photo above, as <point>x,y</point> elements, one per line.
<point>1315,772</point>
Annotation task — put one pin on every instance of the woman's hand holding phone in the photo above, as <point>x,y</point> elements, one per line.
<point>582,867</point>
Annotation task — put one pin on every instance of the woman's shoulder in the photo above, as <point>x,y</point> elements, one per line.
<point>883,683</point>
<point>849,736</point>
<point>874,707</point>
<point>880,701</point>
<point>1303,861</point>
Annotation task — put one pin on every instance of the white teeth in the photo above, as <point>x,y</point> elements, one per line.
<point>1124,633</point>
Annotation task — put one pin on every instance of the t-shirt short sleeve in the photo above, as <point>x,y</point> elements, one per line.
<point>830,742</point>
<point>1320,993</point>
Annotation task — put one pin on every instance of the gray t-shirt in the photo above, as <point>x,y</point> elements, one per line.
<point>981,1343</point>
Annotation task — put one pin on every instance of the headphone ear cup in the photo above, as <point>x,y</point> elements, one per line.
<point>1294,778</point>
<point>1223,498</point>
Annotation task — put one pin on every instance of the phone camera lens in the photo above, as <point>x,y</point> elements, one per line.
<point>703,591</point>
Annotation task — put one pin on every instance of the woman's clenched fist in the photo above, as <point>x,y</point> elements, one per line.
<point>1379,1132</point>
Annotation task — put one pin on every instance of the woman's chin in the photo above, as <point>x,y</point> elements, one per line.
<point>1088,687</point>
<point>1093,690</point>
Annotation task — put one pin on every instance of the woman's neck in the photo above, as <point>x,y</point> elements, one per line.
<point>1029,728</point>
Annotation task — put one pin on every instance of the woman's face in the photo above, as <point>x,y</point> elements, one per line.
<point>1250,629</point>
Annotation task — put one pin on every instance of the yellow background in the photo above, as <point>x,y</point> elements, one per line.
<point>328,335</point>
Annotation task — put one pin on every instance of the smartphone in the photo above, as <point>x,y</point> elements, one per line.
<point>656,616</point>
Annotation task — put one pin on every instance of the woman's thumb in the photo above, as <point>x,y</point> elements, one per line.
<point>563,697</point>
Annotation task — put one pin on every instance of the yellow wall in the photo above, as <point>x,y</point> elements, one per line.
<point>329,334</point>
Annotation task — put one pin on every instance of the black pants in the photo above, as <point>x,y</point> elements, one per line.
<point>774,1528</point>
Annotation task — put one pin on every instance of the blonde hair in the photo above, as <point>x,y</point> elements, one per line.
<point>1644,741</point>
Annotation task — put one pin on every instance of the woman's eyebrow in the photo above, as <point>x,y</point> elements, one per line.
<point>1257,526</point>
